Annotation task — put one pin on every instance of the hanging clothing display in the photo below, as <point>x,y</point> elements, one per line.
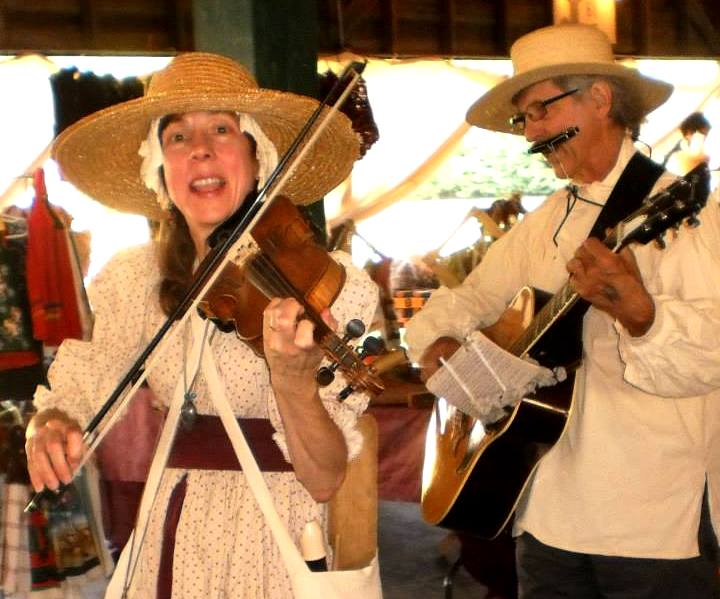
<point>64,546</point>
<point>21,368</point>
<point>58,551</point>
<point>50,281</point>
<point>18,348</point>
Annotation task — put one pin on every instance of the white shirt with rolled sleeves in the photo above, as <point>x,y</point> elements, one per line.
<point>627,476</point>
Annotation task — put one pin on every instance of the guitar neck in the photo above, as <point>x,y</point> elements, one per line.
<point>680,202</point>
<point>556,307</point>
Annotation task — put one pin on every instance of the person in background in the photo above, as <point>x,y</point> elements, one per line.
<point>621,505</point>
<point>689,151</point>
<point>191,153</point>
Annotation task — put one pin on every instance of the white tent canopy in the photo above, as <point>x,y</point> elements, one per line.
<point>419,106</point>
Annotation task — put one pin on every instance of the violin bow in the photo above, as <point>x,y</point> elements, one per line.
<point>209,271</point>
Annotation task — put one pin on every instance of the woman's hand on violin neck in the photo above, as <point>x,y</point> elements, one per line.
<point>54,449</point>
<point>290,348</point>
<point>316,445</point>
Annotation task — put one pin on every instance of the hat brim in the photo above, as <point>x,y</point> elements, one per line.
<point>99,153</point>
<point>494,109</point>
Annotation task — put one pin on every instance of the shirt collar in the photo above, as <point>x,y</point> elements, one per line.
<point>600,190</point>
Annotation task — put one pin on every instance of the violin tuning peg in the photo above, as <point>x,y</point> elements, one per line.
<point>693,221</point>
<point>372,346</point>
<point>325,375</point>
<point>354,328</point>
<point>660,242</point>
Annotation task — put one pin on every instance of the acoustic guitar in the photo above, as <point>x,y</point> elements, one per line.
<point>473,476</point>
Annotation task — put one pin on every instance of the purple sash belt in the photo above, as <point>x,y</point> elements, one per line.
<point>206,446</point>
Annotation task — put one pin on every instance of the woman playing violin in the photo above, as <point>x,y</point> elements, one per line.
<point>190,153</point>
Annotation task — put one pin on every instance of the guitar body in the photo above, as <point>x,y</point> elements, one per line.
<point>473,477</point>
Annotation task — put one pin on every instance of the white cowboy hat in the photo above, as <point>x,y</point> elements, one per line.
<point>554,51</point>
<point>99,153</point>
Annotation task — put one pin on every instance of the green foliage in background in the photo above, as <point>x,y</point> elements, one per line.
<point>490,164</point>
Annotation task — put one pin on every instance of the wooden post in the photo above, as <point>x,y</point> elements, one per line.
<point>277,40</point>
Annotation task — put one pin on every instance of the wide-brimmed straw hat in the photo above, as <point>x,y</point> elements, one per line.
<point>555,51</point>
<point>99,153</point>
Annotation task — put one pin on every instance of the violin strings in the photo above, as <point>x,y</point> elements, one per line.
<point>269,279</point>
<point>263,272</point>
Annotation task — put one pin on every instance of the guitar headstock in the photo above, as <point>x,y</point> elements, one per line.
<point>678,203</point>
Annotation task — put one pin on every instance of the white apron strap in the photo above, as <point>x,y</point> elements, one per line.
<point>290,553</point>
<point>126,565</point>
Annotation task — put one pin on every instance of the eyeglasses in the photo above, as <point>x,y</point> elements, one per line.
<point>536,110</point>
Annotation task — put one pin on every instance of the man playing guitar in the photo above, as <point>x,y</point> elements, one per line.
<point>614,508</point>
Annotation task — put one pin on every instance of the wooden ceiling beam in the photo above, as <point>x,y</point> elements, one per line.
<point>700,21</point>
<point>682,29</point>
<point>642,32</point>
<point>3,26</point>
<point>390,22</point>
<point>449,16</point>
<point>89,22</point>
<point>500,15</point>
<point>468,28</point>
<point>180,23</point>
<point>346,14</point>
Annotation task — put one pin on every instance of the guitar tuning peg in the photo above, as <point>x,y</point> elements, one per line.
<point>692,221</point>
<point>660,242</point>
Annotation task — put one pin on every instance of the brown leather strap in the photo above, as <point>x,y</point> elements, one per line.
<point>206,446</point>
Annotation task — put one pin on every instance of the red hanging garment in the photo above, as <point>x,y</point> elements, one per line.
<point>51,290</point>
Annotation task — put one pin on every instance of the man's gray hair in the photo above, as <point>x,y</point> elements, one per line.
<point>626,108</point>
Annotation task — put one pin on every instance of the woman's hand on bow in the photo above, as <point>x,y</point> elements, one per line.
<point>54,449</point>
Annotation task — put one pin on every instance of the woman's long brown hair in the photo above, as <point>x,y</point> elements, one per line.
<point>177,258</point>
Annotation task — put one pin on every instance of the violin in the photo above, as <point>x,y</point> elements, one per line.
<point>288,262</point>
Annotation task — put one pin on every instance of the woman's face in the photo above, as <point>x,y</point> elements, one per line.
<point>209,166</point>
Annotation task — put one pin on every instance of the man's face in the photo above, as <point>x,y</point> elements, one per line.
<point>575,158</point>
